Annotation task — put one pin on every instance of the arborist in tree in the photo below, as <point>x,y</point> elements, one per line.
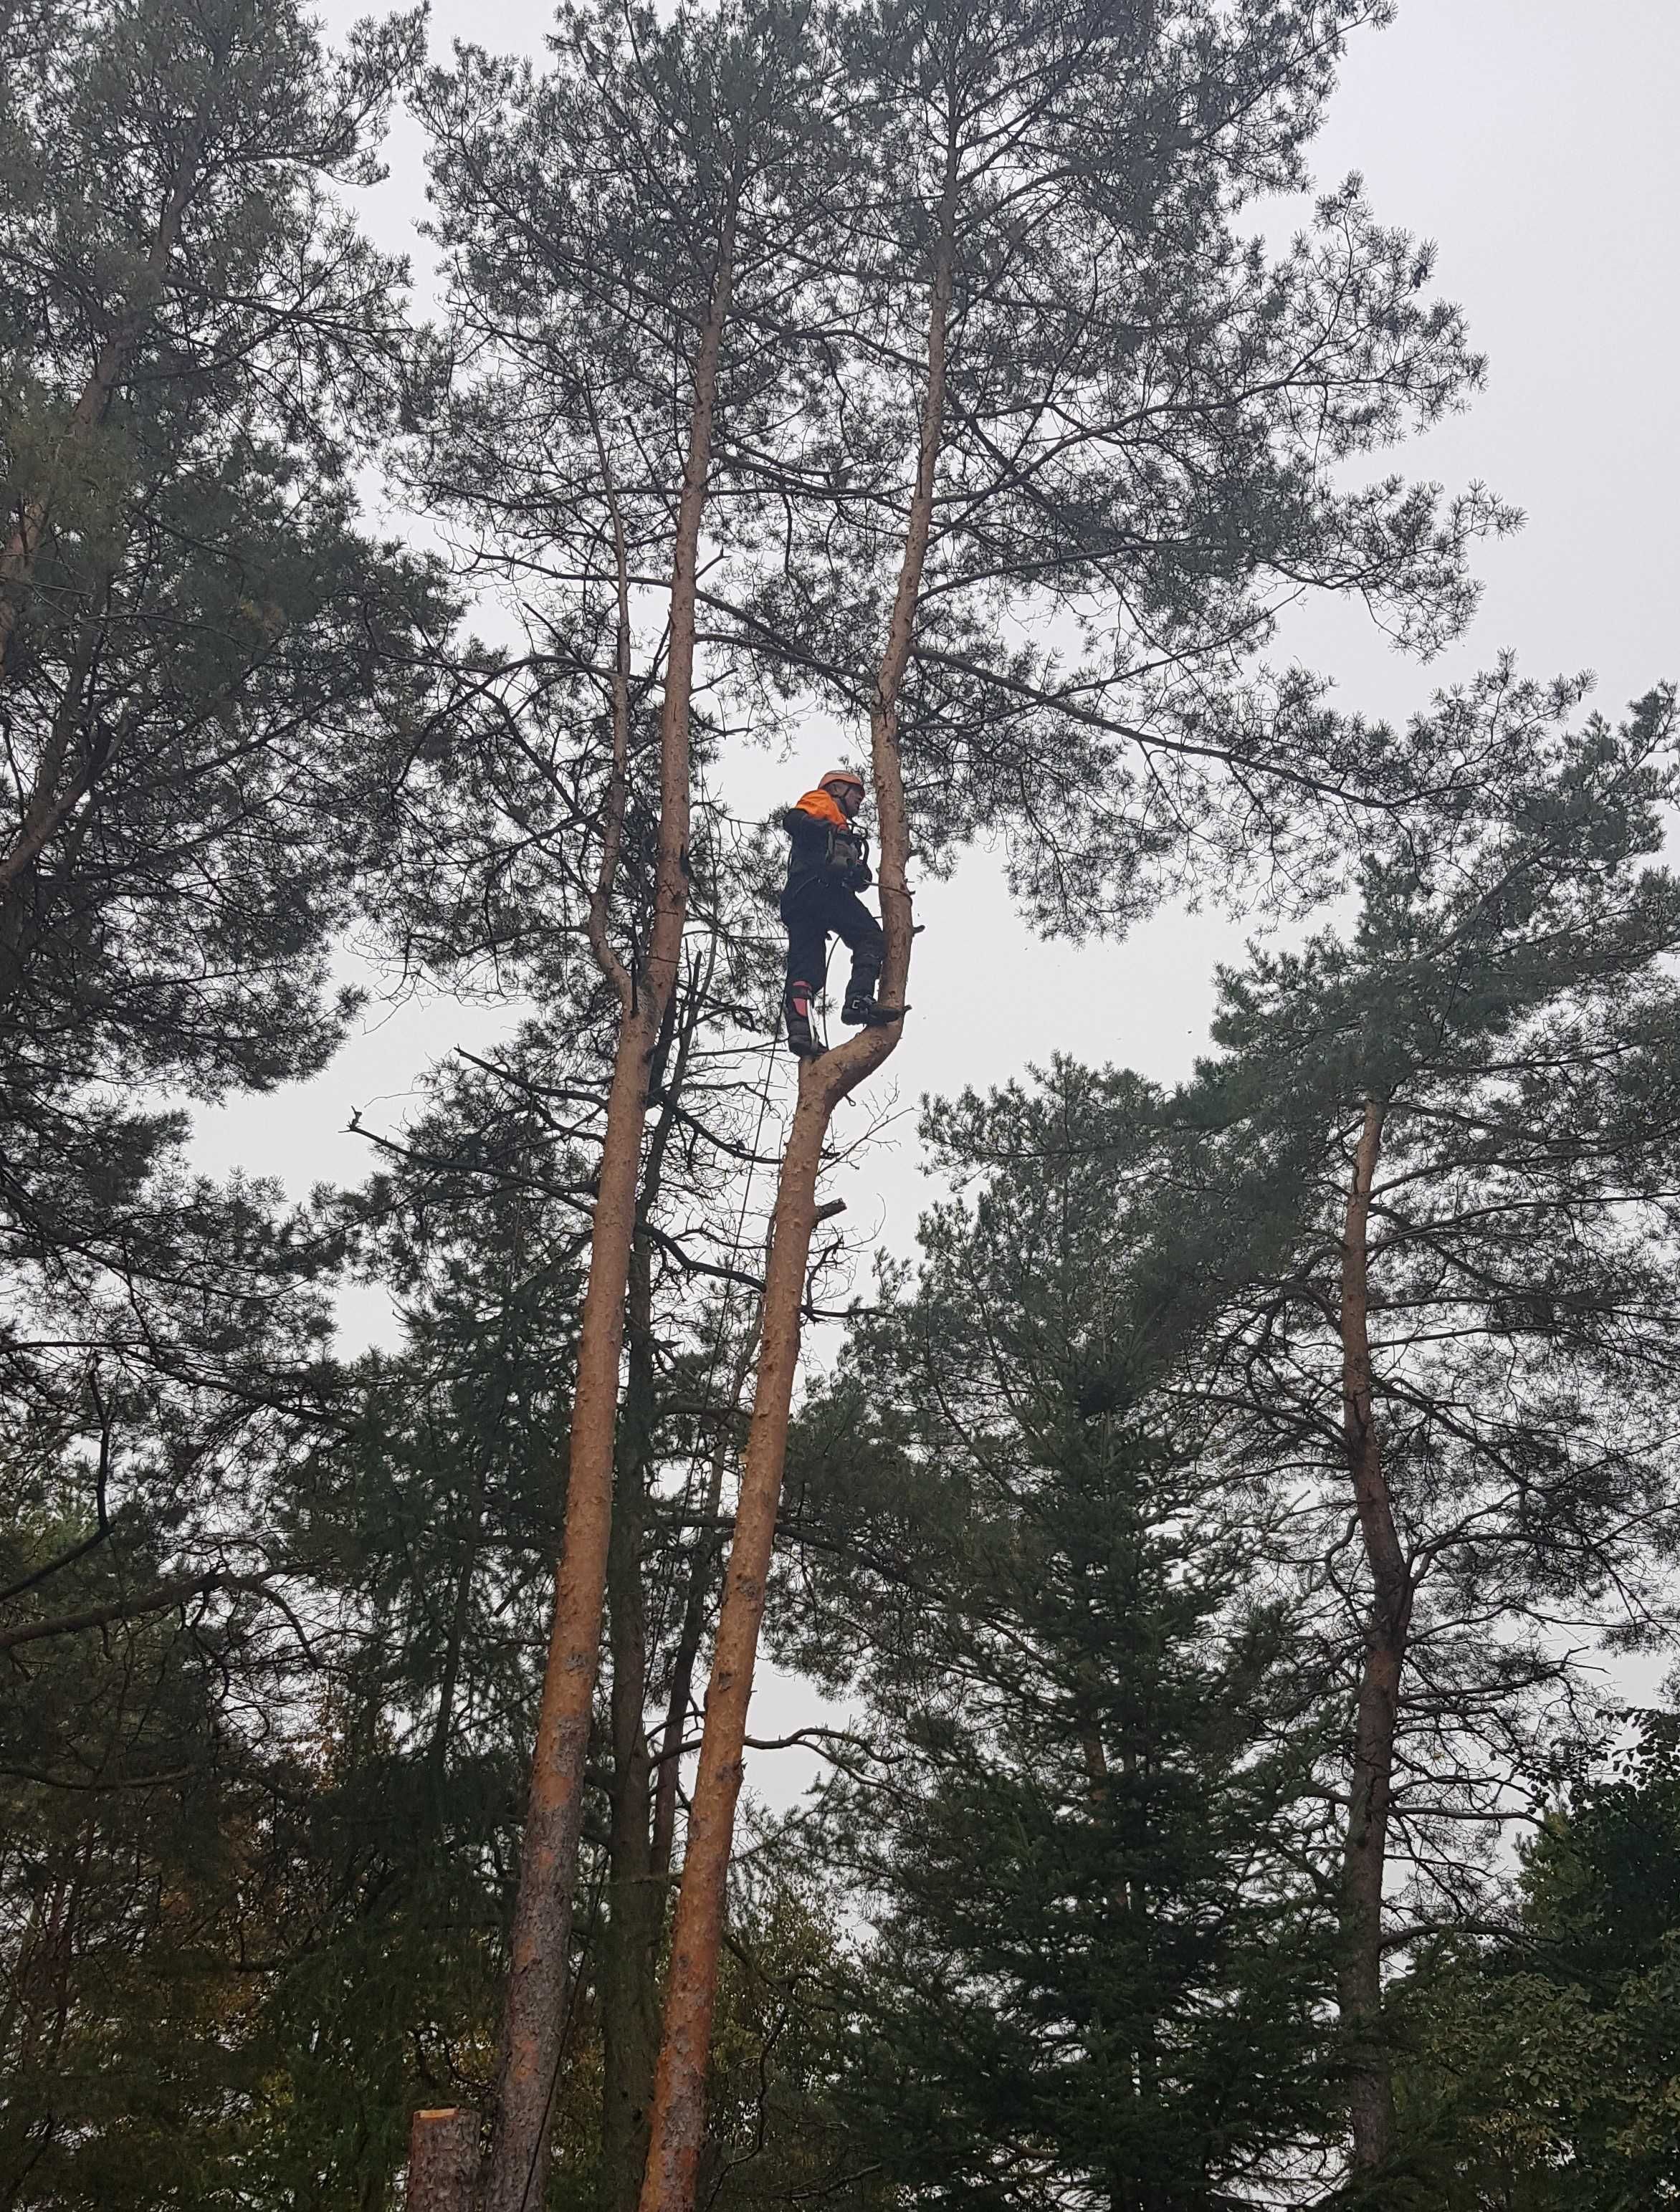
<point>827,867</point>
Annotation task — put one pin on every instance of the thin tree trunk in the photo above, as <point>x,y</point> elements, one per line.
<point>694,1618</point>
<point>1371,2094</point>
<point>461,1612</point>
<point>617,787</point>
<point>629,1969</point>
<point>438,1757</point>
<point>691,1987</point>
<point>518,2165</point>
<point>629,1941</point>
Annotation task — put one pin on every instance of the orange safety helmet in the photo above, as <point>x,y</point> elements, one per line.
<point>846,778</point>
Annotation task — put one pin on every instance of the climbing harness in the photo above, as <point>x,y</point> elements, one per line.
<point>827,867</point>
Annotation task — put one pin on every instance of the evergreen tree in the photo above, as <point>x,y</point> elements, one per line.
<point>1046,248</point>
<point>210,672</point>
<point>1092,1732</point>
<point>1439,1200</point>
<point>212,677</point>
<point>159,1658</point>
<point>1537,2070</point>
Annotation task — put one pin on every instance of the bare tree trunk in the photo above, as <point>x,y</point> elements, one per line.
<point>694,1619</point>
<point>629,1941</point>
<point>1371,2095</point>
<point>617,787</point>
<point>629,1968</point>
<point>692,1988</point>
<point>518,2167</point>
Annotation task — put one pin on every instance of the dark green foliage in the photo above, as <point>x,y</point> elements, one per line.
<point>1539,2068</point>
<point>1087,1800</point>
<point>273,1820</point>
<point>211,674</point>
<point>1070,1523</point>
<point>209,658</point>
<point>1506,994</point>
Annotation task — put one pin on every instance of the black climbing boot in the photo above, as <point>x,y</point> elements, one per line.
<point>796,1012</point>
<point>859,1004</point>
<point>860,1008</point>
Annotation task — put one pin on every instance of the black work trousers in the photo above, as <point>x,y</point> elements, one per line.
<point>812,910</point>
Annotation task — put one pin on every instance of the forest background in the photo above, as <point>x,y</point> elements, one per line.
<point>258,1878</point>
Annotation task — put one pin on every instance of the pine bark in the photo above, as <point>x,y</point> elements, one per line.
<point>627,1974</point>
<point>678,2122</point>
<point>634,1914</point>
<point>443,2152</point>
<point>517,2173</point>
<point>1388,1623</point>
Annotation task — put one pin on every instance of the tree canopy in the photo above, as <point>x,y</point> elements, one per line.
<point>1207,1557</point>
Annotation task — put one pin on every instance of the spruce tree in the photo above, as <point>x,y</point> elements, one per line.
<point>1083,1814</point>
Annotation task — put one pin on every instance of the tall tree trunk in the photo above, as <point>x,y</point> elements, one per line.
<point>518,2165</point>
<point>629,1941</point>
<point>1371,2095</point>
<point>628,1984</point>
<point>692,1988</point>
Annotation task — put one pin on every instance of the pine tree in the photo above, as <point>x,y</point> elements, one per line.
<point>205,660</point>
<point>1048,247</point>
<point>1439,1201</point>
<point>212,675</point>
<point>647,201</point>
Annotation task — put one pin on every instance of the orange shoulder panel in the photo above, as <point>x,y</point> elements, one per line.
<point>823,806</point>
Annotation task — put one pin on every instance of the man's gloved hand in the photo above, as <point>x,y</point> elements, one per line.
<point>860,878</point>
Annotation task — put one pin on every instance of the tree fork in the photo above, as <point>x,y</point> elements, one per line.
<point>516,2176</point>
<point>678,2118</point>
<point>1359,1984</point>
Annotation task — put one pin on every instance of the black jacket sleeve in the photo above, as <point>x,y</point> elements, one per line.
<point>810,841</point>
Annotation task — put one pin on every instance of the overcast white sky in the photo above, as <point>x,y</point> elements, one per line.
<point>1534,140</point>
